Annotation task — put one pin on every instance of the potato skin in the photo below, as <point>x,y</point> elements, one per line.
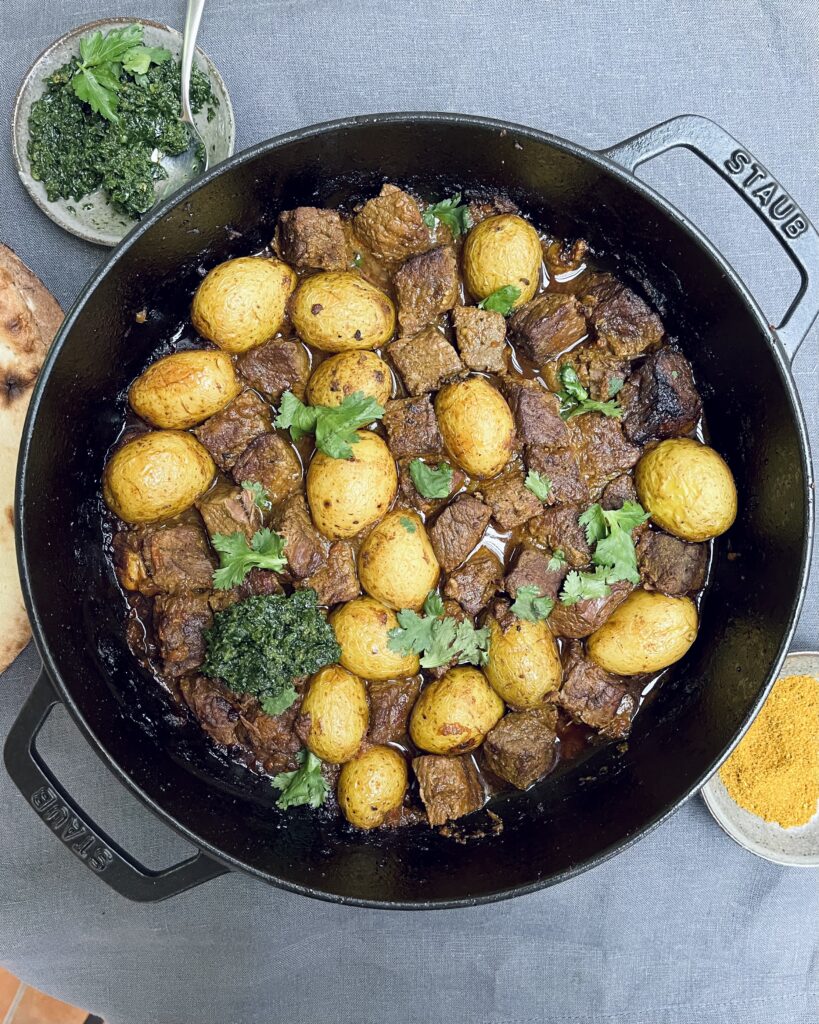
<point>648,632</point>
<point>362,627</point>
<point>336,311</point>
<point>336,702</point>
<point>185,388</point>
<point>500,251</point>
<point>348,495</point>
<point>454,713</point>
<point>524,664</point>
<point>688,489</point>
<point>347,372</point>
<point>156,475</point>
<point>241,303</point>
<point>396,563</point>
<point>371,785</point>
<point>477,425</point>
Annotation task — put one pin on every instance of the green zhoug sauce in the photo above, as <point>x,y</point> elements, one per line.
<point>75,151</point>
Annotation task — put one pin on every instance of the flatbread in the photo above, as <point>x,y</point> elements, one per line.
<point>29,318</point>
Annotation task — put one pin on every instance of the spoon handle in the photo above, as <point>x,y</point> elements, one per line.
<point>192,19</point>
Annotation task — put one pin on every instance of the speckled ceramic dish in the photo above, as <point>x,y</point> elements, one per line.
<point>93,218</point>
<point>796,847</point>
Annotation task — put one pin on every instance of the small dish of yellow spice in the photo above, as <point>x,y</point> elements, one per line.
<point>766,795</point>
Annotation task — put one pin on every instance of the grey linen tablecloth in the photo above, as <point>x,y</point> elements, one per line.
<point>684,928</point>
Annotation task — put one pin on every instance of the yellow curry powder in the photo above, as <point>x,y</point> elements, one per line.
<point>774,772</point>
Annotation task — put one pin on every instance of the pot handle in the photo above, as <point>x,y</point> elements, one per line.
<point>78,833</point>
<point>760,190</point>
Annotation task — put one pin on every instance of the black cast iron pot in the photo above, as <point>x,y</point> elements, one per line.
<point>565,824</point>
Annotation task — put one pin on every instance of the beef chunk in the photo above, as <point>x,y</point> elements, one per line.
<point>562,469</point>
<point>458,529</point>
<point>547,326</point>
<point>336,581</point>
<point>522,747</point>
<point>304,548</point>
<point>532,570</point>
<point>309,238</point>
<point>390,705</point>
<point>599,371</point>
<point>562,257</point>
<point>260,582</point>
<point>618,492</point>
<point>594,697</point>
<point>217,710</point>
<point>476,582</point>
<point>621,318</point>
<point>558,528</point>
<point>602,451</point>
<point>229,432</point>
<point>660,398</point>
<point>670,565</point>
<point>426,286</point>
<point>481,338</point>
<point>129,564</point>
<point>536,412</point>
<point>511,501</point>
<point>272,738</point>
<point>178,558</point>
<point>412,428</point>
<point>272,462</point>
<point>178,623</point>
<point>480,209</point>
<point>391,225</point>
<point>449,787</point>
<point>425,360</point>
<point>227,509</point>
<point>277,366</point>
<point>584,617</point>
<point>417,501</point>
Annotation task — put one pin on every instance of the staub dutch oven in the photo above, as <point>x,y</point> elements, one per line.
<point>567,823</point>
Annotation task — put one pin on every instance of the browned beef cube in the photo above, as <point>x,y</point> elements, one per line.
<point>602,451</point>
<point>272,738</point>
<point>511,501</point>
<point>476,582</point>
<point>336,581</point>
<point>449,787</point>
<point>562,257</point>
<point>532,570</point>
<point>595,697</point>
<point>458,529</point>
<point>584,617</point>
<point>178,623</point>
<point>480,209</point>
<point>178,558</point>
<point>305,549</point>
<point>391,225</point>
<point>129,564</point>
<point>621,318</point>
<point>670,565</point>
<point>618,492</point>
<point>481,338</point>
<point>217,710</point>
<point>547,326</point>
<point>660,398</point>
<point>558,529</point>
<point>536,412</point>
<point>277,366</point>
<point>417,501</point>
<point>229,432</point>
<point>426,286</point>
<point>391,702</point>
<point>425,360</point>
<point>272,462</point>
<point>412,428</point>
<point>258,582</point>
<point>309,238</point>
<point>561,468</point>
<point>522,747</point>
<point>600,372</point>
<point>227,510</point>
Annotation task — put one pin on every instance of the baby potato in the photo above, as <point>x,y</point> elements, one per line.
<point>184,389</point>
<point>499,251</point>
<point>524,665</point>
<point>362,628</point>
<point>371,785</point>
<point>344,374</point>
<point>477,425</point>
<point>348,495</point>
<point>688,489</point>
<point>396,563</point>
<point>336,310</point>
<point>156,475</point>
<point>454,713</point>
<point>648,632</point>
<point>241,303</point>
<point>339,714</point>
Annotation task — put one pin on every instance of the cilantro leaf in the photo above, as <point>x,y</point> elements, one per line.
<point>538,484</point>
<point>557,561</point>
<point>97,48</point>
<point>615,386</point>
<point>575,401</point>
<point>615,556</point>
<point>531,605</point>
<point>431,482</point>
<point>502,300</point>
<point>582,586</point>
<point>138,59</point>
<point>334,426</point>
<point>437,637</point>
<point>237,557</point>
<point>473,644</point>
<point>91,91</point>
<point>618,554</point>
<point>96,79</point>
<point>300,418</point>
<point>281,702</point>
<point>595,523</point>
<point>306,785</point>
<point>261,499</point>
<point>434,604</point>
<point>450,213</point>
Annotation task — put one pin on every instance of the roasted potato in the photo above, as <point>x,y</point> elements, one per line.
<point>344,374</point>
<point>241,303</point>
<point>338,714</point>
<point>184,389</point>
<point>454,713</point>
<point>348,495</point>
<point>477,425</point>
<point>648,632</point>
<point>371,785</point>
<point>156,475</point>
<point>336,310</point>
<point>688,489</point>
<point>499,251</point>
<point>362,628</point>
<point>524,664</point>
<point>396,563</point>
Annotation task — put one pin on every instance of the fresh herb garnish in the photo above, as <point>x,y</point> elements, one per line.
<point>408,524</point>
<point>583,586</point>
<point>557,561</point>
<point>574,398</point>
<point>306,785</point>
<point>531,605</point>
<point>431,481</point>
<point>538,484</point>
<point>502,300</point>
<point>237,557</point>
<point>334,426</point>
<point>615,386</point>
<point>439,638</point>
<point>615,556</point>
<point>450,213</point>
<point>261,499</point>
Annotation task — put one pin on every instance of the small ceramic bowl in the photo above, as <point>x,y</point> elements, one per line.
<point>795,847</point>
<point>93,218</point>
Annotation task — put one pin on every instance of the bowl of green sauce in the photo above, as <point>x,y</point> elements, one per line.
<point>95,115</point>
